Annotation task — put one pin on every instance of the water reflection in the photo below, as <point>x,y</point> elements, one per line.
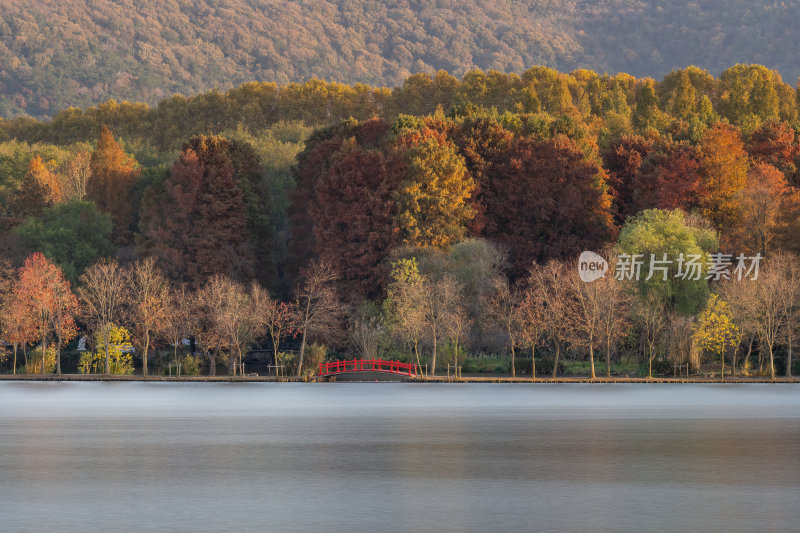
<point>398,457</point>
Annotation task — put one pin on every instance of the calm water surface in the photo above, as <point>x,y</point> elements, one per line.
<point>376,457</point>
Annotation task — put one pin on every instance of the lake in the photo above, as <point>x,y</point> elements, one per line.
<point>399,457</point>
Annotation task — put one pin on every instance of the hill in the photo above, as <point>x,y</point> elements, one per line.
<point>60,53</point>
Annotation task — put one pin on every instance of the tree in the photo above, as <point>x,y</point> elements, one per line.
<point>236,320</point>
<point>73,234</point>
<point>317,306</point>
<point>114,173</point>
<point>17,321</point>
<point>526,212</point>
<point>457,324</point>
<point>117,345</point>
<point>44,290</point>
<point>615,304</point>
<point>683,241</point>
<point>723,173</point>
<point>278,317</point>
<point>352,212</point>
<point>551,283</point>
<point>76,173</point>
<point>103,293</point>
<point>715,330</point>
<point>504,310</point>
<point>439,299</point>
<point>764,206</point>
<point>148,306</point>
<point>650,311</point>
<point>433,200</point>
<point>530,318</point>
<point>405,303</point>
<point>200,226</point>
<point>33,195</point>
<point>585,313</point>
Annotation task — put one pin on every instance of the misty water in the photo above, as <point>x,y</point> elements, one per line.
<point>373,457</point>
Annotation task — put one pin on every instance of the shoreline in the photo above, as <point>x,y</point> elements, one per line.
<point>435,379</point>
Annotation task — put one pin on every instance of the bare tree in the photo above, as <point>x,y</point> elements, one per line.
<point>551,282</point>
<point>584,313</point>
<point>787,265</point>
<point>149,296</point>
<point>317,306</point>
<point>530,321</point>
<point>456,324</point>
<point>406,298</point>
<point>615,309</point>
<point>439,298</point>
<point>365,331</point>
<point>196,313</point>
<point>235,318</point>
<point>503,309</point>
<point>75,173</point>
<point>278,318</point>
<point>103,293</point>
<point>650,312</point>
<point>678,332</point>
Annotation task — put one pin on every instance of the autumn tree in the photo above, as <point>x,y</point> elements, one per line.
<point>199,228</point>
<point>526,208</point>
<point>764,205</point>
<point>103,293</point>
<point>148,305</point>
<point>584,314</point>
<point>35,193</point>
<point>432,202</point>
<point>17,320</point>
<point>715,331</point>
<point>614,309</point>
<point>352,212</point>
<point>114,173</point>
<point>43,289</point>
<point>723,173</point>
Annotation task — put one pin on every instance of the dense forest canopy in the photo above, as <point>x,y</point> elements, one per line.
<point>60,53</point>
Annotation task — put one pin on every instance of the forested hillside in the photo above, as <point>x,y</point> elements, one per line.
<point>60,53</point>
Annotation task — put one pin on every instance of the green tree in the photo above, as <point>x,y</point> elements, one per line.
<point>74,235</point>
<point>677,238</point>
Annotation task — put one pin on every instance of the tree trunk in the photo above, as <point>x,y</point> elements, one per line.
<point>433,357</point>
<point>591,358</point>
<point>608,359</point>
<point>722,366</point>
<point>44,349</point>
<point>533,361</point>
<point>106,335</point>
<point>15,359</point>
<point>144,351</point>
<point>212,363</point>
<point>789,354</point>
<point>58,353</point>
<point>513,363</point>
<point>771,362</point>
<point>416,353</point>
<point>302,353</point>
<point>555,363</point>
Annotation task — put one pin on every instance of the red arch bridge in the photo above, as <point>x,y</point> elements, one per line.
<point>335,368</point>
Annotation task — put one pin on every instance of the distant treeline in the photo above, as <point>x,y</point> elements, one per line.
<point>745,95</point>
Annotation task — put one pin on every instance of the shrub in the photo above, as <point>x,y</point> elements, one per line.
<point>34,365</point>
<point>190,365</point>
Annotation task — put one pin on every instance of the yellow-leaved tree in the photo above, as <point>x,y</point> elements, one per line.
<point>715,331</point>
<point>120,353</point>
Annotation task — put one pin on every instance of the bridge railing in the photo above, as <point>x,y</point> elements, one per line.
<point>367,365</point>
